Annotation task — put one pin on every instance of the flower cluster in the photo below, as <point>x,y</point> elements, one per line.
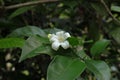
<point>59,39</point>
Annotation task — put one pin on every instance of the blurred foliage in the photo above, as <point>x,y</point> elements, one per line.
<point>89,19</point>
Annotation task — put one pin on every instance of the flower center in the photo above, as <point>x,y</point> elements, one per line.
<point>61,39</point>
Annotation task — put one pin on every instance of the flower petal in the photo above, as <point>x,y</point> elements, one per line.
<point>55,45</point>
<point>66,35</point>
<point>60,33</point>
<point>65,44</point>
<point>53,38</point>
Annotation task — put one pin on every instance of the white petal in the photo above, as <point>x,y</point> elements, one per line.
<point>60,33</point>
<point>53,38</point>
<point>55,45</point>
<point>65,44</point>
<point>53,35</point>
<point>66,35</point>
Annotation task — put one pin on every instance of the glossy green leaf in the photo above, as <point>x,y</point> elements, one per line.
<point>115,8</point>
<point>34,46</point>
<point>11,42</point>
<point>20,11</point>
<point>28,31</point>
<point>64,68</point>
<point>99,68</point>
<point>99,47</point>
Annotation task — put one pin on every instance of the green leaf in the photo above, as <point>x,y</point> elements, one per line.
<point>99,47</point>
<point>52,30</point>
<point>115,33</point>
<point>20,11</point>
<point>34,46</point>
<point>28,31</point>
<point>5,23</point>
<point>99,8</point>
<point>11,42</point>
<point>115,8</point>
<point>99,68</point>
<point>73,41</point>
<point>71,4</point>
<point>64,68</point>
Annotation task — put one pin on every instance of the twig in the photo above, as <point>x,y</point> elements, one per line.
<point>26,4</point>
<point>109,12</point>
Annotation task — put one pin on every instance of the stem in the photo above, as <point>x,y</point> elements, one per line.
<point>27,4</point>
<point>108,10</point>
<point>89,41</point>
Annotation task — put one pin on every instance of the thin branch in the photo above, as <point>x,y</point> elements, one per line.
<point>108,10</point>
<point>26,4</point>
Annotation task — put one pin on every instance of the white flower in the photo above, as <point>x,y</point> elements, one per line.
<point>59,39</point>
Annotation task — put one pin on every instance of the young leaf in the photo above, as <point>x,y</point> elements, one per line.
<point>20,11</point>
<point>99,47</point>
<point>28,31</point>
<point>115,8</point>
<point>11,42</point>
<point>34,46</point>
<point>99,68</point>
<point>64,68</point>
